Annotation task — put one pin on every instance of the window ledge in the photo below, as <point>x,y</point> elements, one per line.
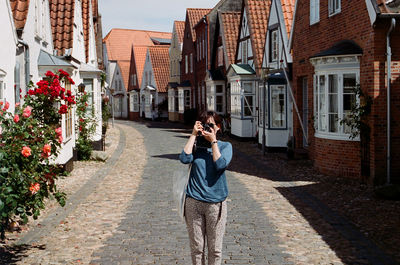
<point>336,136</point>
<point>335,13</point>
<point>314,23</point>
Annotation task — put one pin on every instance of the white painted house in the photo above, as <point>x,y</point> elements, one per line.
<point>153,91</point>
<point>8,42</point>
<point>275,88</point>
<point>243,76</point>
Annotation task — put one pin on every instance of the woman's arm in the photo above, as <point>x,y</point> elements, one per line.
<point>189,145</point>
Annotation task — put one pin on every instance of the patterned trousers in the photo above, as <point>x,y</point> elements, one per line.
<point>205,222</point>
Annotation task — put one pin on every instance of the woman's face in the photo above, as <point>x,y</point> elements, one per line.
<point>211,120</point>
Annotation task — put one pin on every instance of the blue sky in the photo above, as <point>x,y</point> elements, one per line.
<point>155,15</point>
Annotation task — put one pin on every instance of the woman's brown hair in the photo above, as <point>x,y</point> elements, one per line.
<point>205,115</point>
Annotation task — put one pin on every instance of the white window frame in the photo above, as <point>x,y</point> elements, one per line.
<point>186,64</point>
<point>314,11</point>
<point>2,85</point>
<point>191,62</point>
<point>274,45</point>
<point>334,7</point>
<point>272,111</point>
<point>324,116</point>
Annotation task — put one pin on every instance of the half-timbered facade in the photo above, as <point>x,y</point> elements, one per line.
<point>243,76</point>
<point>274,93</point>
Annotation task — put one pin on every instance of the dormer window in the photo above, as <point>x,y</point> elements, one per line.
<point>334,7</point>
<point>273,45</point>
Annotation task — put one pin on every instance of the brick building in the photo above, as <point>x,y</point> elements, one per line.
<point>334,51</point>
<point>186,89</point>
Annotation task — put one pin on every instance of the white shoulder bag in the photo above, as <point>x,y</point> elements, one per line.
<point>181,180</point>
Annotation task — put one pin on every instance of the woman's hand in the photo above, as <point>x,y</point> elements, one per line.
<point>210,136</point>
<point>197,128</point>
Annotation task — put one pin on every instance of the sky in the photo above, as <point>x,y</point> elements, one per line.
<point>157,15</point>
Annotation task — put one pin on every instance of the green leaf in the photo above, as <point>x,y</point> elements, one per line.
<point>3,170</point>
<point>1,205</point>
<point>20,210</point>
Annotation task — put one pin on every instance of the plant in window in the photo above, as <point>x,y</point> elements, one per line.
<point>356,118</point>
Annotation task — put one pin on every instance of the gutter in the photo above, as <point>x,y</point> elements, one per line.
<point>27,63</point>
<point>389,77</point>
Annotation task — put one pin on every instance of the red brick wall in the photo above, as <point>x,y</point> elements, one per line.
<point>201,67</point>
<point>330,156</point>
<point>187,49</point>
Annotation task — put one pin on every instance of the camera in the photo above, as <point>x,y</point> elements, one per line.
<point>200,140</point>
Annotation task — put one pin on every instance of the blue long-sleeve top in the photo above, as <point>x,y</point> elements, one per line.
<point>207,181</point>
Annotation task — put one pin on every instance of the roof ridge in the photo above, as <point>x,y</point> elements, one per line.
<point>143,30</point>
<point>195,8</point>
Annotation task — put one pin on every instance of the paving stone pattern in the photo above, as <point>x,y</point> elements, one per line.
<point>124,213</point>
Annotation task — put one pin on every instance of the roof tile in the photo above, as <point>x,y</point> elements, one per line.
<point>20,12</point>
<point>230,26</point>
<point>61,16</point>
<point>160,61</point>
<point>195,14</point>
<point>257,14</point>
<point>140,60</point>
<point>180,30</point>
<point>119,44</point>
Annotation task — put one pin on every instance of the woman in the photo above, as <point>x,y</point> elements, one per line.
<point>205,207</point>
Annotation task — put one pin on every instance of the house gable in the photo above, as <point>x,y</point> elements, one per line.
<point>279,24</point>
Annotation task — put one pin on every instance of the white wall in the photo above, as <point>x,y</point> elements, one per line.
<point>78,49</point>
<point>8,42</point>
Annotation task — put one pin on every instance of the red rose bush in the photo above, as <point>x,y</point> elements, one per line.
<point>30,140</point>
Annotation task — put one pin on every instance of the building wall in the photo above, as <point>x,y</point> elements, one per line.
<point>175,56</point>
<point>187,49</point>
<point>201,68</point>
<point>336,157</point>
<point>8,44</point>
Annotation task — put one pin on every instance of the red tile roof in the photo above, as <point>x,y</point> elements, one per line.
<point>62,23</point>
<point>95,8</point>
<point>180,30</point>
<point>119,44</point>
<point>140,60</point>
<point>288,11</point>
<point>20,12</point>
<point>160,62</point>
<point>230,22</point>
<point>194,15</point>
<point>86,25</point>
<point>124,67</point>
<point>119,41</point>
<point>257,16</point>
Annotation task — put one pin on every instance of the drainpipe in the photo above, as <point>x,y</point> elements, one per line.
<point>389,76</point>
<point>27,62</point>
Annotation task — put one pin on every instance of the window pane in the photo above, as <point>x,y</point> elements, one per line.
<point>278,106</point>
<point>248,105</point>
<point>219,89</point>
<point>333,103</point>
<point>333,83</point>
<point>333,122</point>
<point>248,87</point>
<point>219,104</point>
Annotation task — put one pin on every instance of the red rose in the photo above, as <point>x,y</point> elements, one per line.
<point>16,118</point>
<point>59,131</point>
<point>27,112</point>
<point>26,151</point>
<point>34,188</point>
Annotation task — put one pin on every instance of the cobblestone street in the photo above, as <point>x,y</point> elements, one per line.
<point>121,212</point>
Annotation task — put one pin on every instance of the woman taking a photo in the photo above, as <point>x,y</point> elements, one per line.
<point>205,207</point>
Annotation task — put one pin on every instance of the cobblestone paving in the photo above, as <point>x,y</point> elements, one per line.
<point>124,213</point>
